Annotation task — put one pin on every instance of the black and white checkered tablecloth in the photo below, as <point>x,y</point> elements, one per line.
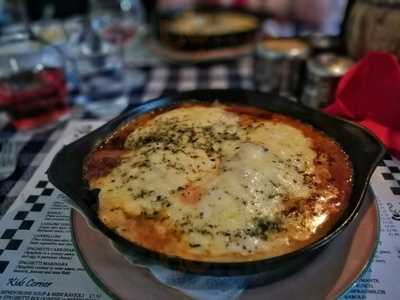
<point>159,80</point>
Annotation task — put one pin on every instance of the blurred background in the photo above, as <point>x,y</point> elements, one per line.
<point>284,17</point>
<point>95,54</point>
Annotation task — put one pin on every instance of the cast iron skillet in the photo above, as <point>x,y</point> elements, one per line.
<point>197,42</point>
<point>364,150</point>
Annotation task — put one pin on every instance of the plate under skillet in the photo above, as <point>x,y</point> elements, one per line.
<point>327,276</point>
<point>175,56</point>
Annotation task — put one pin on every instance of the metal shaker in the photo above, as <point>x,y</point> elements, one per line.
<point>323,74</point>
<point>280,65</point>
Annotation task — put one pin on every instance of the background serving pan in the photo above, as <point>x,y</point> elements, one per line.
<point>364,150</point>
<point>195,41</point>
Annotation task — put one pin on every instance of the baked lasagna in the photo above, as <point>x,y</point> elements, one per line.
<point>219,183</point>
<point>215,23</point>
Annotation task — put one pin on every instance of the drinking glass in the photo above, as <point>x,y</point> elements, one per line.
<point>14,17</point>
<point>33,88</point>
<point>116,22</point>
<point>121,22</point>
<point>102,79</point>
<point>105,79</point>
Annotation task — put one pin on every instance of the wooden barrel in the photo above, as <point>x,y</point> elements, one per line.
<point>373,25</point>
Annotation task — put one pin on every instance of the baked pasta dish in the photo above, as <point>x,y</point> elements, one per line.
<point>219,183</point>
<point>217,23</point>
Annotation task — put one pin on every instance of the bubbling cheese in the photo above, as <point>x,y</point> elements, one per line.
<point>224,190</point>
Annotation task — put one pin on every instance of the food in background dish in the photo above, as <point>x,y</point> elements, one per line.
<point>219,183</point>
<point>207,23</point>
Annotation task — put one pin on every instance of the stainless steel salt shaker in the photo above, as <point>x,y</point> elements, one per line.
<point>280,65</point>
<point>323,74</point>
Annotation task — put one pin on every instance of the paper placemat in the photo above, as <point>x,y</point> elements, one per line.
<point>37,256</point>
<point>38,260</point>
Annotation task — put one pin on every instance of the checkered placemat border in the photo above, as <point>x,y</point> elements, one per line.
<point>23,220</point>
<point>391,173</point>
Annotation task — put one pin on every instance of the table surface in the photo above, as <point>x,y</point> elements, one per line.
<point>163,79</point>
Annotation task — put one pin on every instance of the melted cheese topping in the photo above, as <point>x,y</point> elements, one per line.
<point>207,186</point>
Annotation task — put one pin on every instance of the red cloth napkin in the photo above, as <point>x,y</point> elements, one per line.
<point>369,94</point>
